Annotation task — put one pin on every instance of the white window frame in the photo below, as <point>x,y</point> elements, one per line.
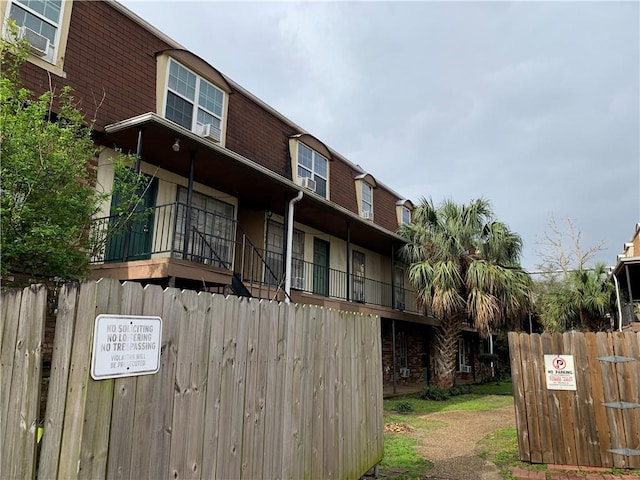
<point>51,54</point>
<point>313,173</point>
<point>275,255</point>
<point>406,215</point>
<point>367,206</point>
<point>195,104</point>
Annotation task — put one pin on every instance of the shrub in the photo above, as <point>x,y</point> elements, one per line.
<point>403,406</point>
<point>459,390</point>
<point>434,393</point>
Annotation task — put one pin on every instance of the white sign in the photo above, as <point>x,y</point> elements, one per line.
<point>125,345</point>
<point>560,372</point>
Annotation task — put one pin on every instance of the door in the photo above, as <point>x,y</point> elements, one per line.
<point>358,262</point>
<point>133,240</point>
<point>320,267</point>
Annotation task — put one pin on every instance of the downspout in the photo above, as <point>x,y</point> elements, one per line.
<point>615,280</point>
<point>287,276</point>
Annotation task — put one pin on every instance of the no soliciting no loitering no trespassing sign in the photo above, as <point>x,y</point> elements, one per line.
<point>125,345</point>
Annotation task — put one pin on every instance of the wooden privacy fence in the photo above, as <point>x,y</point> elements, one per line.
<point>245,389</point>
<point>598,423</point>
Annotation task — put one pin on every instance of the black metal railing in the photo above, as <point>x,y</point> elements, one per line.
<point>196,235</point>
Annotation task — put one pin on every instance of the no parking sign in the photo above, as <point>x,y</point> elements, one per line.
<point>560,372</point>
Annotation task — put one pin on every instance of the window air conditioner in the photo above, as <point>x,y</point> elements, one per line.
<point>367,215</point>
<point>297,283</point>
<point>308,183</point>
<point>39,43</point>
<point>465,368</point>
<point>405,372</point>
<point>400,305</point>
<point>210,132</point>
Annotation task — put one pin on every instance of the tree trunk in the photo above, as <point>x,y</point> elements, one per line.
<point>446,353</point>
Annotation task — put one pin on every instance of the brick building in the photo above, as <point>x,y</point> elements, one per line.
<point>235,188</point>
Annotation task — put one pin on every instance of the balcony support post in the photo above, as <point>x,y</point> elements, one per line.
<point>348,261</point>
<point>187,223</point>
<point>626,270</point>
<point>393,353</point>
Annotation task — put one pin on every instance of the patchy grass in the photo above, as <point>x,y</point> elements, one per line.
<point>401,460</point>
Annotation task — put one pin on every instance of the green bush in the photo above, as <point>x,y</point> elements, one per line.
<point>403,406</point>
<point>459,390</point>
<point>434,393</point>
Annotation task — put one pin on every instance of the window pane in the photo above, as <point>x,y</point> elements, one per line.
<point>320,165</point>
<point>303,172</point>
<point>205,118</point>
<point>406,215</point>
<point>24,18</point>
<point>305,156</point>
<point>179,110</point>
<point>210,98</point>
<point>321,186</point>
<point>366,193</point>
<point>48,8</point>
<point>182,81</point>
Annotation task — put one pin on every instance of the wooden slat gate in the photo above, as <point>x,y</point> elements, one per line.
<point>598,423</point>
<point>246,389</point>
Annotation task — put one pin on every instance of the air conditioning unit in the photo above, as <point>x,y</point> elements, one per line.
<point>210,132</point>
<point>39,43</point>
<point>367,215</point>
<point>308,183</point>
<point>465,368</point>
<point>400,305</point>
<point>297,283</point>
<point>405,372</point>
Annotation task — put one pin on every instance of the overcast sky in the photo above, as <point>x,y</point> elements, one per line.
<point>532,105</point>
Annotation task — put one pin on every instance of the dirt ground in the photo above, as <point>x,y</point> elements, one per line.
<point>452,447</point>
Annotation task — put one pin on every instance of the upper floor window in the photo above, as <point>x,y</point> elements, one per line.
<point>193,102</point>
<point>39,22</point>
<point>406,215</point>
<point>314,166</point>
<point>367,201</point>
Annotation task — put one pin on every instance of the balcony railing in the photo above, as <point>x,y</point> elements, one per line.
<point>206,238</point>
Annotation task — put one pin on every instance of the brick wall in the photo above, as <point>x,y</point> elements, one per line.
<point>110,62</point>
<point>417,338</point>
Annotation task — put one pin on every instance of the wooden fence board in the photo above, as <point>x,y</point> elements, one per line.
<point>319,393</point>
<point>58,381</point>
<point>517,373</point>
<point>124,398</point>
<point>219,311</point>
<point>148,389</point>
<point>330,410</point>
<point>574,426</point>
<point>99,400</point>
<point>22,416</point>
<point>248,453</point>
<point>162,418</point>
<point>597,394</point>
<point>11,300</point>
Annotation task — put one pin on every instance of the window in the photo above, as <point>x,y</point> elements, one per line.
<point>191,101</point>
<point>43,17</point>
<point>358,263</point>
<point>406,215</point>
<point>367,201</point>
<point>211,233</point>
<point>464,354</point>
<point>274,275</point>
<point>313,165</point>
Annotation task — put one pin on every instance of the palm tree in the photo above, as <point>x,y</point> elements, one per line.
<point>464,267</point>
<point>582,301</point>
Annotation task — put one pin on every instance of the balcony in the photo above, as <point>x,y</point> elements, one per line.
<point>202,241</point>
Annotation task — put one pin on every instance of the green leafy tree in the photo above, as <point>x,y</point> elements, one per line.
<point>465,268</point>
<point>583,300</point>
<point>47,197</point>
